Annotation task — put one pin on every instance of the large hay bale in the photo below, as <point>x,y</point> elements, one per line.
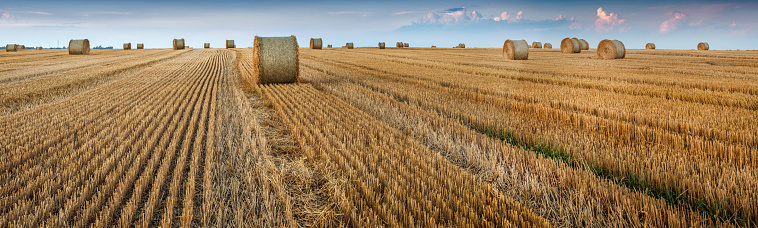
<point>127,46</point>
<point>206,45</point>
<point>650,46</point>
<point>547,46</point>
<point>585,45</point>
<point>78,47</point>
<point>349,45</point>
<point>39,48</point>
<point>611,49</point>
<point>515,50</point>
<point>230,44</point>
<point>179,44</point>
<point>381,45</point>
<point>569,45</point>
<point>316,43</point>
<point>11,47</point>
<point>461,45</point>
<point>275,59</point>
<point>536,44</point>
<point>406,45</point>
<point>140,46</point>
<point>399,44</point>
<point>703,46</point>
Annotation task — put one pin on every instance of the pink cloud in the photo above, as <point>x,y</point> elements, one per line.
<point>5,16</point>
<point>560,17</point>
<point>733,25</point>
<point>519,16</point>
<point>503,17</point>
<point>672,23</point>
<point>607,22</point>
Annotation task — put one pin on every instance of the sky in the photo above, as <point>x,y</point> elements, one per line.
<point>679,24</point>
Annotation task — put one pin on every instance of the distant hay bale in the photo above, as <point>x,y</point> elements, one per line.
<point>78,47</point>
<point>39,48</point>
<point>434,46</point>
<point>585,45</point>
<point>179,44</point>
<point>140,46</point>
<point>547,46</point>
<point>127,46</point>
<point>399,44</point>
<point>207,45</point>
<point>21,47</point>
<point>703,46</point>
<point>329,46</point>
<point>275,59</point>
<point>316,43</point>
<point>11,47</point>
<point>406,45</point>
<point>229,43</point>
<point>611,49</point>
<point>349,45</point>
<point>569,45</point>
<point>536,44</point>
<point>515,50</point>
<point>461,45</point>
<point>650,46</point>
<point>381,45</point>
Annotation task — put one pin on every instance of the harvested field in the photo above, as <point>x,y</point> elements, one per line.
<point>369,137</point>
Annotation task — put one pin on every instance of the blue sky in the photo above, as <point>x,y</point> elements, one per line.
<point>669,24</point>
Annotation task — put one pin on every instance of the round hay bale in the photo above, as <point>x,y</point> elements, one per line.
<point>569,45</point>
<point>179,44</point>
<point>515,50</point>
<point>127,46</point>
<point>11,47</point>
<point>275,60</point>
<point>381,45</point>
<point>611,49</point>
<point>349,45</point>
<point>329,46</point>
<point>536,44</point>
<point>547,46</point>
<point>78,47</point>
<point>21,47</point>
<point>230,44</point>
<point>315,43</point>
<point>207,45</point>
<point>406,45</point>
<point>703,46</point>
<point>140,46</point>
<point>434,46</point>
<point>650,46</point>
<point>399,44</point>
<point>585,45</point>
<point>461,45</point>
<point>39,48</point>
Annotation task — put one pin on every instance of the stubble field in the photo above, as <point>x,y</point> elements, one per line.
<point>411,137</point>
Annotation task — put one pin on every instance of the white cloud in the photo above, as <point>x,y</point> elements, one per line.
<point>87,14</point>
<point>475,16</point>
<point>430,18</point>
<point>672,23</point>
<point>607,22</point>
